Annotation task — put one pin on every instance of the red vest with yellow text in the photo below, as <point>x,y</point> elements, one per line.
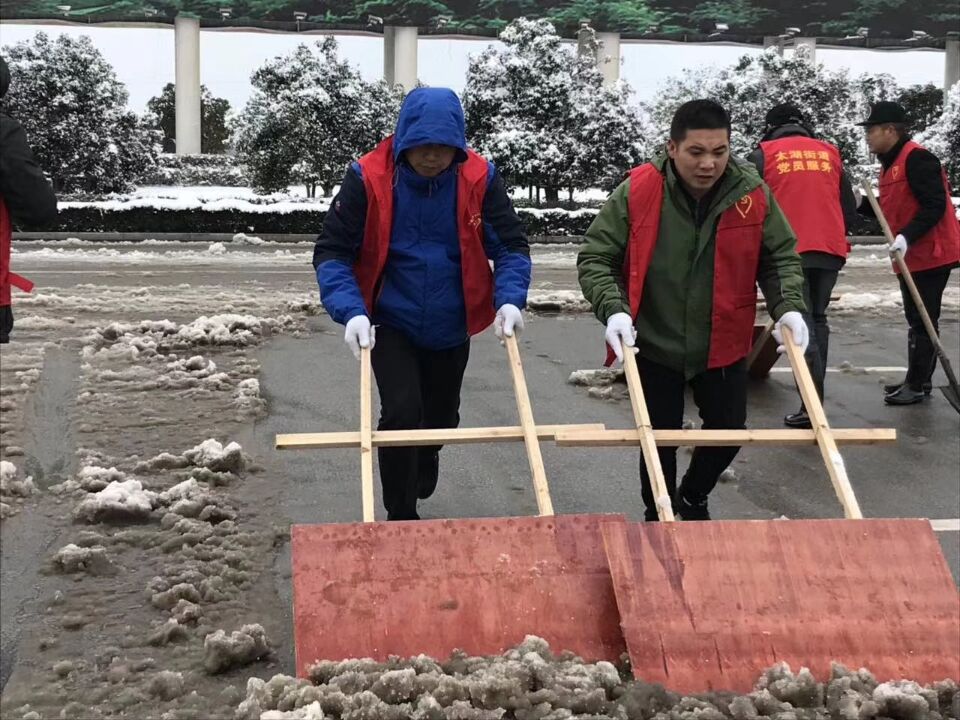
<point>378,171</point>
<point>7,278</point>
<point>941,245</point>
<point>737,245</point>
<point>804,176</point>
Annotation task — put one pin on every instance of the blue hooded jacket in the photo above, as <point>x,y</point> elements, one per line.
<point>422,288</point>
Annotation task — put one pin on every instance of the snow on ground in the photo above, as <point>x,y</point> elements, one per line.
<point>529,681</point>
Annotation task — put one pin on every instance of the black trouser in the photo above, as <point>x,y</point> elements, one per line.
<point>721,396</point>
<point>921,353</point>
<point>418,389</point>
<point>817,287</point>
<point>6,323</point>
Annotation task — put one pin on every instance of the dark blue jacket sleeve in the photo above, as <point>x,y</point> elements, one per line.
<point>338,247</point>
<point>505,242</point>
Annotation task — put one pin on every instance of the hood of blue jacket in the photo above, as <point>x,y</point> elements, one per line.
<point>431,116</point>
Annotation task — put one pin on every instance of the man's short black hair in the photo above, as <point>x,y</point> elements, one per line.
<point>698,115</point>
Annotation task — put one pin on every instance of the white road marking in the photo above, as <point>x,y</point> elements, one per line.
<point>946,525</point>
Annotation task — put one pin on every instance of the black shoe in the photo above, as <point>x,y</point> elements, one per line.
<point>799,419</point>
<point>650,515</point>
<point>891,389</point>
<point>906,395</point>
<point>402,516</point>
<point>691,511</point>
<point>428,472</point>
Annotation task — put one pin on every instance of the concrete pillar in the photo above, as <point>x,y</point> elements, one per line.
<point>951,72</point>
<point>608,56</point>
<point>586,40</point>
<point>405,57</point>
<point>807,46</point>
<point>187,96</point>
<point>773,41</point>
<point>389,58</point>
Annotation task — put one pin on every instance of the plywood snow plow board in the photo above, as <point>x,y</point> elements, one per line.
<point>433,586</point>
<point>375,589</point>
<point>711,605</point>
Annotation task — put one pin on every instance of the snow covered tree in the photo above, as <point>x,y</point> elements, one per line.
<point>923,103</point>
<point>831,101</point>
<point>542,114</point>
<point>73,109</point>
<point>942,138</point>
<point>309,116</point>
<point>214,128</point>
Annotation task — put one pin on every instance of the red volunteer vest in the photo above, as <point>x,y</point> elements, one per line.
<point>804,176</point>
<point>941,245</point>
<point>7,278</point>
<point>378,171</point>
<point>736,258</point>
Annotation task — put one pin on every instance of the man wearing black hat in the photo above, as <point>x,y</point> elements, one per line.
<point>915,198</point>
<point>807,178</point>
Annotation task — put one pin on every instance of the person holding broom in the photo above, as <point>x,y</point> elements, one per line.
<point>403,261</point>
<point>670,265</point>
<point>915,199</point>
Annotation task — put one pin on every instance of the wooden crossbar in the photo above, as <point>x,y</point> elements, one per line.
<point>412,438</point>
<point>571,437</point>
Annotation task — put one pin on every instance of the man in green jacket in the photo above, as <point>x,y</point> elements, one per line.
<point>670,266</point>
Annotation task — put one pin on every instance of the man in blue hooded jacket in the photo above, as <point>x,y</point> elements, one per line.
<point>403,261</point>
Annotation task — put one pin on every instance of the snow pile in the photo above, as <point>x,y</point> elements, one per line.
<point>210,254</point>
<point>211,461</point>
<point>119,501</point>
<point>223,652</point>
<point>557,301</point>
<point>72,559</point>
<point>530,682</point>
<point>597,378</point>
<point>213,455</point>
<point>241,239</point>
<point>150,337</point>
<point>248,396</point>
<point>9,485</point>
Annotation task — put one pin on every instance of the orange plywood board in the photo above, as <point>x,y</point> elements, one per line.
<point>709,606</point>
<point>433,586</point>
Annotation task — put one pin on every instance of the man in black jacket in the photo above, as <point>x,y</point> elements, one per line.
<point>26,197</point>
<point>820,204</point>
<point>915,198</point>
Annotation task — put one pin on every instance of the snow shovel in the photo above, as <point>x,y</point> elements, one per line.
<point>951,392</point>
<point>708,606</point>
<point>376,589</point>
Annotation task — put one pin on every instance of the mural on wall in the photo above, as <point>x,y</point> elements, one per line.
<point>917,20</point>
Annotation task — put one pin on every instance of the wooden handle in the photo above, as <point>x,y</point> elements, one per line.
<point>818,419</point>
<point>530,438</point>
<point>648,444</point>
<point>366,435</point>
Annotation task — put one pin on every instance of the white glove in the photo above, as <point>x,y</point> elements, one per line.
<point>899,244</point>
<point>620,331</point>
<point>359,334</point>
<point>794,321</point>
<point>509,321</point>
